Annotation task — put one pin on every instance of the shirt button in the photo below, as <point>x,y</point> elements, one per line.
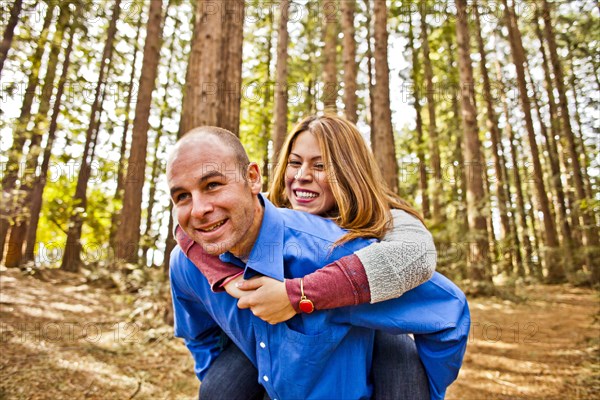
<point>263,345</point>
<point>266,378</point>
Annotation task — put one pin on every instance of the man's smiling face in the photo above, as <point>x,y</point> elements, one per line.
<point>214,203</point>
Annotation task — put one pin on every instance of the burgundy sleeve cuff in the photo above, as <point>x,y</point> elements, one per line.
<point>211,266</point>
<point>342,283</point>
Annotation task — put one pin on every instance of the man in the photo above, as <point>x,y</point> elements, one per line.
<point>323,355</point>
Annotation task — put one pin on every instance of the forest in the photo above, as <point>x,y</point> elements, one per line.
<point>485,115</point>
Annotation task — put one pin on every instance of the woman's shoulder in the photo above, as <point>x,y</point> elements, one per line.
<point>401,215</point>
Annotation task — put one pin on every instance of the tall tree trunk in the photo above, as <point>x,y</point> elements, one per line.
<point>554,267</point>
<point>521,217</point>
<point>23,197</point>
<point>492,125</point>
<point>118,199</point>
<point>590,231</point>
<point>369,56</point>
<point>383,146</point>
<point>417,81</point>
<point>266,104</point>
<point>155,169</point>
<point>479,262</point>
<point>213,77</point>
<point>40,183</point>
<point>555,178</point>
<point>231,50</point>
<point>20,133</point>
<point>434,147</point>
<point>349,59</point>
<point>128,233</point>
<point>281,76</point>
<point>71,256</point>
<point>585,162</point>
<point>330,30</point>
<point>9,32</point>
<point>552,148</point>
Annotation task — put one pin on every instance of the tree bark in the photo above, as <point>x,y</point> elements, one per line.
<point>590,231</point>
<point>118,198</point>
<point>554,267</point>
<point>213,78</point>
<point>434,146</point>
<point>147,239</point>
<point>369,56</point>
<point>492,125</point>
<point>417,82</point>
<point>478,262</point>
<point>551,142</point>
<point>330,29</point>
<point>40,183</point>
<point>9,32</point>
<point>349,59</point>
<point>128,233</point>
<point>384,148</point>
<point>281,94</point>
<point>24,195</point>
<point>520,206</point>
<point>20,133</point>
<point>72,254</point>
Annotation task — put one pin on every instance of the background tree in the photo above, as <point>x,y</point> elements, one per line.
<point>213,78</point>
<point>9,31</point>
<point>555,269</point>
<point>281,85</point>
<point>383,134</point>
<point>349,59</point>
<point>128,234</point>
<point>72,254</point>
<point>479,251</point>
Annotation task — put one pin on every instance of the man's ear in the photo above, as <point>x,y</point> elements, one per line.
<point>254,177</point>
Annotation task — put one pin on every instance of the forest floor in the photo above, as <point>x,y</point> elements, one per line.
<point>64,337</point>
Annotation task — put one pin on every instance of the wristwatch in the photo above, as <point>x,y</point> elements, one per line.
<point>305,305</point>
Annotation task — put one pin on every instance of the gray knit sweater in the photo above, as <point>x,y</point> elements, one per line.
<point>405,258</point>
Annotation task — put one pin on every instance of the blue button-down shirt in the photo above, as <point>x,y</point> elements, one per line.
<point>326,354</point>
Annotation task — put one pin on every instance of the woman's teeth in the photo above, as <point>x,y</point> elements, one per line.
<point>306,195</point>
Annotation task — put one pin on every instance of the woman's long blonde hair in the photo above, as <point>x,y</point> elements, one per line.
<point>362,197</point>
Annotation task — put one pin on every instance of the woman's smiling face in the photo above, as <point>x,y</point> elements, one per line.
<point>307,181</point>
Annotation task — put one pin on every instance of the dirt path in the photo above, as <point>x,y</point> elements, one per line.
<point>546,347</point>
<point>61,338</point>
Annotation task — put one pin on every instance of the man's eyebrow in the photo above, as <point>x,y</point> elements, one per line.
<point>203,178</point>
<point>211,174</point>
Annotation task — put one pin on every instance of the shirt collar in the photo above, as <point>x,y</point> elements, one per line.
<point>266,256</point>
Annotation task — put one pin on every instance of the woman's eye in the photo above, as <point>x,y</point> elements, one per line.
<point>319,167</point>
<point>294,163</point>
<point>212,185</point>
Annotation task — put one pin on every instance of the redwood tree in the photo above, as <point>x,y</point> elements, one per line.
<point>479,250</point>
<point>128,233</point>
<point>72,254</point>
<point>281,94</point>
<point>383,134</point>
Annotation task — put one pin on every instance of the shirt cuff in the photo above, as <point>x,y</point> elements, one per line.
<point>215,270</point>
<point>342,283</point>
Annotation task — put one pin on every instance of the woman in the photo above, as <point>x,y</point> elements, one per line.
<point>325,168</point>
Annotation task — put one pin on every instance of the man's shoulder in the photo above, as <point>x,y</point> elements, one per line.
<point>304,226</point>
<point>310,224</point>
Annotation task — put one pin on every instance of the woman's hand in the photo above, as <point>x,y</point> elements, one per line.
<point>232,289</point>
<point>267,299</point>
